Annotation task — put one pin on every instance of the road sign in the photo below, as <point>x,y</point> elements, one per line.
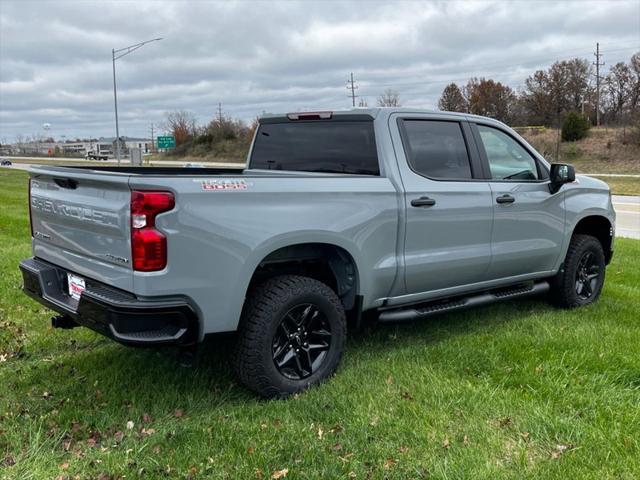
<point>166,141</point>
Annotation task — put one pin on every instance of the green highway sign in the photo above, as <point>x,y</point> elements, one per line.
<point>167,141</point>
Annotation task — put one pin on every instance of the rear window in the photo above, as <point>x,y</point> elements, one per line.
<point>317,146</point>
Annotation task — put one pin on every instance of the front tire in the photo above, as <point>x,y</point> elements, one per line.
<point>581,279</point>
<point>291,336</point>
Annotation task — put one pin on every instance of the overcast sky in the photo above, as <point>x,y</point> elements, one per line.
<point>55,57</point>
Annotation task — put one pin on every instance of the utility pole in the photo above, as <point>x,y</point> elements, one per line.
<point>351,86</point>
<point>220,113</point>
<point>153,140</point>
<point>597,63</point>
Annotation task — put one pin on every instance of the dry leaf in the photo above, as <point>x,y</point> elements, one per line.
<point>250,450</point>
<point>388,463</point>
<point>279,474</point>
<point>320,433</point>
<point>445,443</point>
<point>465,440</point>
<point>91,442</point>
<point>118,436</point>
<point>64,466</point>
<point>130,425</point>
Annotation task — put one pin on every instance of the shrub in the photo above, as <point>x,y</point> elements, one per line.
<point>574,127</point>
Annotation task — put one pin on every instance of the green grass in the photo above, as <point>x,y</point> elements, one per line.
<point>508,391</point>
<point>623,185</point>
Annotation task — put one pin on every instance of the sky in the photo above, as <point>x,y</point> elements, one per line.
<point>276,56</point>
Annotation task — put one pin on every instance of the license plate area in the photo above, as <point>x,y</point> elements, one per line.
<point>76,286</point>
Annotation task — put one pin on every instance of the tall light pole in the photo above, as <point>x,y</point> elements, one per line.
<point>115,55</point>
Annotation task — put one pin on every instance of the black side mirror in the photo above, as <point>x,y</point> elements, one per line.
<point>561,173</point>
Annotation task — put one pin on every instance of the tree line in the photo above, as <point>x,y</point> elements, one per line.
<point>545,100</point>
<point>548,95</point>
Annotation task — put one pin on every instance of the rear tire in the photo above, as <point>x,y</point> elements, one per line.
<point>291,336</point>
<point>581,278</point>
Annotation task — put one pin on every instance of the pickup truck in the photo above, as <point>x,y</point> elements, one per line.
<point>399,212</point>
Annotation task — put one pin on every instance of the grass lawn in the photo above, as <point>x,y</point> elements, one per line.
<point>622,185</point>
<point>508,391</point>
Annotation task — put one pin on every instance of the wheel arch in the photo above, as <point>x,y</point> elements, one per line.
<point>328,262</point>
<point>597,226</point>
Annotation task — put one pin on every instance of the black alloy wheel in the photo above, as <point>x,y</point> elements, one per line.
<point>301,342</point>
<point>587,275</point>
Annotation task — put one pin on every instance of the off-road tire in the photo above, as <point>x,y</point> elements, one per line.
<point>265,307</point>
<point>563,286</point>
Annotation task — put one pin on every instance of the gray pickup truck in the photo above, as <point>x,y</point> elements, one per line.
<point>405,213</point>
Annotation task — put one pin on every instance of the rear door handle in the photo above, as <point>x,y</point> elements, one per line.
<point>506,198</point>
<point>423,202</point>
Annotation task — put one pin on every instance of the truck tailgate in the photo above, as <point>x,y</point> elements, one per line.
<point>81,222</point>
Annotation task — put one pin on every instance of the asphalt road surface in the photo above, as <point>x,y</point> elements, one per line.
<point>627,216</point>
<point>627,209</point>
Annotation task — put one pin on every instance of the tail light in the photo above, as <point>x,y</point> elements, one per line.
<point>148,245</point>
<point>30,215</point>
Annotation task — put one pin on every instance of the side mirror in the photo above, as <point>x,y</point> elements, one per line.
<point>561,173</point>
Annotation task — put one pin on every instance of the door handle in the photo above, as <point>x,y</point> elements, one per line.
<point>506,198</point>
<point>423,202</point>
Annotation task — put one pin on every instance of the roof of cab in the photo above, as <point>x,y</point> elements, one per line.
<point>375,112</point>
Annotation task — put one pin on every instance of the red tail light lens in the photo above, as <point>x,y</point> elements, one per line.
<point>148,245</point>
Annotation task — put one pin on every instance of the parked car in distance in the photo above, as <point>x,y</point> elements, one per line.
<point>404,213</point>
<point>5,162</point>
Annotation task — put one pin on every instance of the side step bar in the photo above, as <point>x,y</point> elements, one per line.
<point>485,298</point>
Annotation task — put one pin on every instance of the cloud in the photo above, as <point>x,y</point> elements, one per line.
<point>55,57</point>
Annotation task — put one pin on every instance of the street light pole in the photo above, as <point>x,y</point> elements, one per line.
<point>115,102</point>
<point>115,55</point>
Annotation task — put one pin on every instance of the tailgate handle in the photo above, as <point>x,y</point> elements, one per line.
<point>66,183</point>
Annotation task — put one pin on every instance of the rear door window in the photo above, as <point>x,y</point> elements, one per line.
<point>437,149</point>
<point>316,146</point>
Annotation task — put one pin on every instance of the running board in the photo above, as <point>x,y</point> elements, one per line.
<point>485,298</point>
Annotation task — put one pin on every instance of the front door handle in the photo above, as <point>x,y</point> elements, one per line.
<point>423,202</point>
<point>506,198</point>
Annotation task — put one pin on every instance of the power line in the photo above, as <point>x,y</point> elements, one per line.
<point>597,63</point>
<point>351,86</point>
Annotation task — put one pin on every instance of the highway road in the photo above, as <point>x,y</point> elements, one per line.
<point>627,207</point>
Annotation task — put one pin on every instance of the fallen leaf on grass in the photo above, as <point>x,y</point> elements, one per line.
<point>250,450</point>
<point>406,396</point>
<point>560,449</point>
<point>148,431</point>
<point>64,466</point>
<point>320,433</point>
<point>118,436</point>
<point>388,463</point>
<point>445,443</point>
<point>130,425</point>
<point>279,474</point>
<point>146,418</point>
<point>178,413</point>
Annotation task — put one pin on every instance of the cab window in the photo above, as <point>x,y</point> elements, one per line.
<point>508,160</point>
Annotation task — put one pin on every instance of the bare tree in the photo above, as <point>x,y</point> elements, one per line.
<point>452,99</point>
<point>389,98</point>
<point>363,102</point>
<point>617,85</point>
<point>182,125</point>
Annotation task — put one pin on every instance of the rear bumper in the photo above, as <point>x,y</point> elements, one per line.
<point>114,313</point>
